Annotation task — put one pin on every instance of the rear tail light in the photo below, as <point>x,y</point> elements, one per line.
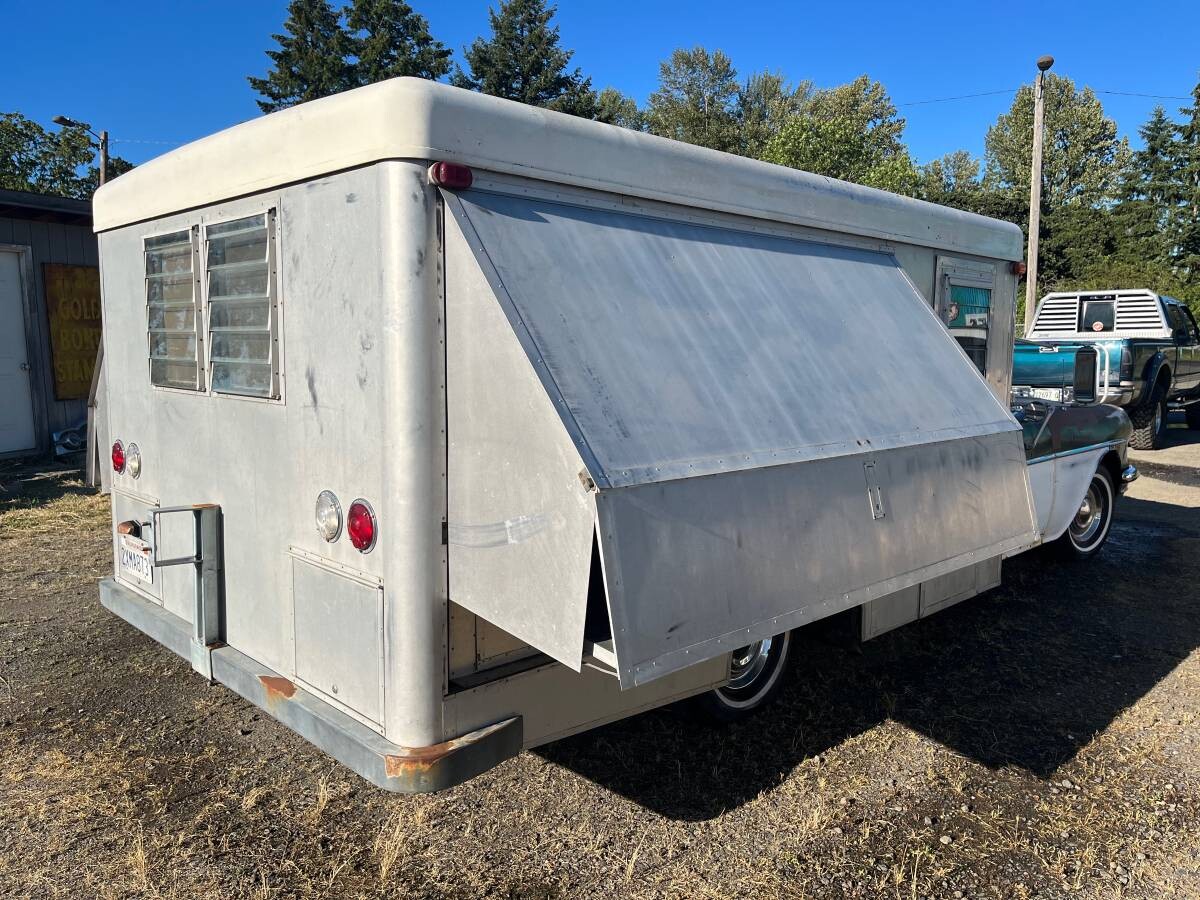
<point>133,460</point>
<point>118,457</point>
<point>329,516</point>
<point>362,526</point>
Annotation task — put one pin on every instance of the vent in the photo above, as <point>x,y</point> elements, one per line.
<point>1058,315</point>
<point>1139,314</point>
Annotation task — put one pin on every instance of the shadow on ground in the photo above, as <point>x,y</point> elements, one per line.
<point>1022,676</point>
<point>24,485</point>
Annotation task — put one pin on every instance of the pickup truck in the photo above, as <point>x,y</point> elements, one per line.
<point>1149,346</point>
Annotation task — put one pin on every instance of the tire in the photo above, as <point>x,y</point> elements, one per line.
<point>1150,421</point>
<point>1193,416</point>
<point>757,676</point>
<point>1089,530</point>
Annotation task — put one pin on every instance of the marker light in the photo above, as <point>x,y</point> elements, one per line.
<point>451,175</point>
<point>329,516</point>
<point>133,460</point>
<point>118,457</point>
<point>360,525</point>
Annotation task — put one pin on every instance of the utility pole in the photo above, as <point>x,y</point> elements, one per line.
<point>103,156</point>
<point>1035,192</point>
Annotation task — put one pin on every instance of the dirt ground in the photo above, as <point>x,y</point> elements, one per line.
<point>1042,740</point>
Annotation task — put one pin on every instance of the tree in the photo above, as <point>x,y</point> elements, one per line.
<point>952,180</point>
<point>1082,157</point>
<point>1187,161</point>
<point>616,108</point>
<point>388,39</point>
<point>696,100</point>
<point>311,59</point>
<point>849,132</point>
<point>764,103</point>
<point>45,162</point>
<point>522,61</point>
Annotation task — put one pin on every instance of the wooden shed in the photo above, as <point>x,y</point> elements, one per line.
<point>49,318</point>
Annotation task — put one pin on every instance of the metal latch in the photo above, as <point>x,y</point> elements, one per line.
<point>874,494</point>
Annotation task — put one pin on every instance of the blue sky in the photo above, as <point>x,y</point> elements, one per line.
<point>157,74</point>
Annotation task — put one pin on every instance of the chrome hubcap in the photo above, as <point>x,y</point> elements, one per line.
<point>1089,518</point>
<point>748,663</point>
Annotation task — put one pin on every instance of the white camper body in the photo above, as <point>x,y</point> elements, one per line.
<point>618,408</point>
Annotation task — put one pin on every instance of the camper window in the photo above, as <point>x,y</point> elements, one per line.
<point>171,310</point>
<point>965,304</point>
<point>242,315</point>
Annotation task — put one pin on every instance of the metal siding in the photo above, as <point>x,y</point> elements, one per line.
<point>520,521</point>
<point>699,566</point>
<point>682,350</point>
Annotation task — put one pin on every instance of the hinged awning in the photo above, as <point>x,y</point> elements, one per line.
<point>776,428</point>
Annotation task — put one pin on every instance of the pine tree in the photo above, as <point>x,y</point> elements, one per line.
<point>1187,162</point>
<point>311,59</point>
<point>522,61</point>
<point>388,39</point>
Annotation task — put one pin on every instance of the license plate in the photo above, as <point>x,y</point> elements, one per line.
<point>133,558</point>
<point>1053,394</point>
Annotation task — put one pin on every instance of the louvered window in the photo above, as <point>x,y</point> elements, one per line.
<point>242,306</point>
<point>172,311</point>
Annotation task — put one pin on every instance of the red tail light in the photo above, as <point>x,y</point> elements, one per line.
<point>118,457</point>
<point>361,526</point>
<point>451,175</point>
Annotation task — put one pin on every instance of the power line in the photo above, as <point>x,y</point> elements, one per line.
<point>959,97</point>
<point>140,141</point>
<point>1149,96</point>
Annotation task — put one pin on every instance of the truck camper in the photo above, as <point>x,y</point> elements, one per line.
<point>446,426</point>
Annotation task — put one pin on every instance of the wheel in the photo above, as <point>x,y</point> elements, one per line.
<point>1150,421</point>
<point>1193,416</point>
<point>755,678</point>
<point>1089,529</point>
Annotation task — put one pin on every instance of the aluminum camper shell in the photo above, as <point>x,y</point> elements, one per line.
<point>618,408</point>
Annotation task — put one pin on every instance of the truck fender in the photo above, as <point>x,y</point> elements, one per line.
<point>1157,366</point>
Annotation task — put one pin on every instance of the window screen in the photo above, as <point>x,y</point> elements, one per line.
<point>171,310</point>
<point>242,315</point>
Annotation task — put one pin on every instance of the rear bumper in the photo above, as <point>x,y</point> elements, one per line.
<point>393,767</point>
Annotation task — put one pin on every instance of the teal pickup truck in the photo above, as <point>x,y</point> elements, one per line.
<point>1149,356</point>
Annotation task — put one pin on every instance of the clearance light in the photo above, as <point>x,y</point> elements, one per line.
<point>329,516</point>
<point>133,460</point>
<point>361,526</point>
<point>451,175</point>
<point>118,457</point>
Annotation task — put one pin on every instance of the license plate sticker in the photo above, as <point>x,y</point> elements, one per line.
<point>1054,394</point>
<point>134,558</point>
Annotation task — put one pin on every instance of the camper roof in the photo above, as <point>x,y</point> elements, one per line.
<point>410,118</point>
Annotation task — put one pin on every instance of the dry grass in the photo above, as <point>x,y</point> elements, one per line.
<point>1041,742</point>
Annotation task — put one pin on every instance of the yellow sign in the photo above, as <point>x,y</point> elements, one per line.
<point>73,305</point>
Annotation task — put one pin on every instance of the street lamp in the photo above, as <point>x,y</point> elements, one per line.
<point>1035,192</point>
<point>102,137</point>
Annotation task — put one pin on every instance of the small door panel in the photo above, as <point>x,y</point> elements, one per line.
<point>16,397</point>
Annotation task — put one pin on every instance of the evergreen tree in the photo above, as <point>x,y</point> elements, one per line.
<point>523,61</point>
<point>1187,161</point>
<point>311,59</point>
<point>696,100</point>
<point>388,39</point>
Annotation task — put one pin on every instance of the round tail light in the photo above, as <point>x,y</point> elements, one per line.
<point>329,516</point>
<point>118,457</point>
<point>362,526</point>
<point>133,460</point>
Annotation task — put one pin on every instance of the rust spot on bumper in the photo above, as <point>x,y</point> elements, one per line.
<point>412,763</point>
<point>278,689</point>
